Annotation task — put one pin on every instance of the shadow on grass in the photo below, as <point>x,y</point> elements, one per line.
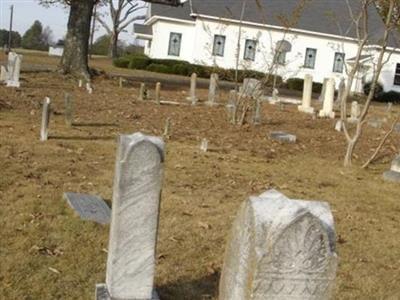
<point>83,138</point>
<point>94,125</point>
<point>205,288</point>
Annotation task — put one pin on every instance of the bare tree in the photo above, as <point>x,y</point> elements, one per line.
<point>122,13</point>
<point>360,20</point>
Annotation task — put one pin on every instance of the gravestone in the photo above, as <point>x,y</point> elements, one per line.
<point>257,117</point>
<point>80,83</point>
<point>14,69</point>
<point>44,130</point>
<point>204,145</point>
<point>142,92</point>
<point>158,92</point>
<point>341,90</point>
<point>3,74</point>
<point>283,137</point>
<point>394,173</point>
<point>327,109</point>
<point>323,90</point>
<point>231,106</point>
<point>389,107</point>
<point>89,207</point>
<point>213,90</point>
<point>339,125</point>
<point>68,109</point>
<point>355,112</point>
<point>193,83</point>
<point>252,88</point>
<point>307,95</point>
<point>89,88</point>
<point>134,219</point>
<point>167,128</point>
<point>280,249</point>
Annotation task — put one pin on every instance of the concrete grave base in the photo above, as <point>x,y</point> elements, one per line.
<point>283,137</point>
<point>102,294</point>
<point>11,83</point>
<point>307,110</point>
<point>391,176</point>
<point>323,114</point>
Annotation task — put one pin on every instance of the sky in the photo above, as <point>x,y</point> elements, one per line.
<point>56,17</point>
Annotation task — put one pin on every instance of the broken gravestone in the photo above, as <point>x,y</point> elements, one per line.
<point>44,130</point>
<point>88,207</point>
<point>394,173</point>
<point>283,137</point>
<point>280,249</point>
<point>134,221</point>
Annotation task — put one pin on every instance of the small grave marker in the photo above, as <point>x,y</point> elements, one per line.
<point>46,112</point>
<point>68,109</point>
<point>394,173</point>
<point>142,92</point>
<point>204,145</point>
<point>283,137</point>
<point>158,92</point>
<point>213,89</point>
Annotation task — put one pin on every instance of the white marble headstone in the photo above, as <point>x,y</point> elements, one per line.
<point>44,130</point>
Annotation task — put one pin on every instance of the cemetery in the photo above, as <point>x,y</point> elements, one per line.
<point>129,188</point>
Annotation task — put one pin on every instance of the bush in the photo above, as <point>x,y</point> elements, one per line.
<point>390,96</point>
<point>298,85</point>
<point>317,87</point>
<point>139,62</point>
<point>121,62</point>
<point>158,68</point>
<point>378,90</point>
<point>169,62</point>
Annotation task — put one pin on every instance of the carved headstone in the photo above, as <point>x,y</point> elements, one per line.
<point>158,92</point>
<point>89,207</point>
<point>213,89</point>
<point>307,95</point>
<point>394,173</point>
<point>280,249</point>
<point>327,109</point>
<point>14,69</point>
<point>68,109</point>
<point>134,220</point>
<point>44,130</point>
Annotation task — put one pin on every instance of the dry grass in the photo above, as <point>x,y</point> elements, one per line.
<point>40,233</point>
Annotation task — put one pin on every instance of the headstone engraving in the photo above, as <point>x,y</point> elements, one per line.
<point>307,95</point>
<point>68,109</point>
<point>280,249</point>
<point>193,83</point>
<point>89,207</point>
<point>14,69</point>
<point>283,137</point>
<point>394,173</point>
<point>231,106</point>
<point>158,92</point>
<point>327,109</point>
<point>323,90</point>
<point>134,221</point>
<point>213,89</point>
<point>44,131</point>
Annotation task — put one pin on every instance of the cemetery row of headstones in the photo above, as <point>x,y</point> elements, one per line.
<point>10,75</point>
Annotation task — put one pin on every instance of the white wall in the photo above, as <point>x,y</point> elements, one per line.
<point>197,45</point>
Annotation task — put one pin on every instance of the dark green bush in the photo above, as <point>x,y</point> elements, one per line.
<point>378,89</point>
<point>121,62</point>
<point>295,84</point>
<point>158,68</point>
<point>317,87</point>
<point>139,62</point>
<point>169,62</point>
<point>390,96</point>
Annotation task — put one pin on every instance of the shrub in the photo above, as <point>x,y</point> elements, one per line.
<point>378,90</point>
<point>158,68</point>
<point>317,87</point>
<point>121,62</point>
<point>390,96</point>
<point>169,62</point>
<point>139,62</point>
<point>295,84</point>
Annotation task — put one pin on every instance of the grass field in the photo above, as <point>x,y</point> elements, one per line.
<point>47,252</point>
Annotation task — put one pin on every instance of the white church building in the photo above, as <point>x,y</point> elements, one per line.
<point>279,36</point>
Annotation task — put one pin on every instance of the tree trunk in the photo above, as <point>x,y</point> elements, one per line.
<point>113,50</point>
<point>75,57</point>
<point>349,153</point>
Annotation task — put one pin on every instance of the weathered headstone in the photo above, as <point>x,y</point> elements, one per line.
<point>323,90</point>
<point>213,89</point>
<point>142,92</point>
<point>327,109</point>
<point>14,69</point>
<point>68,109</point>
<point>80,83</point>
<point>193,83</point>
<point>89,88</point>
<point>89,207</point>
<point>252,88</point>
<point>158,92</point>
<point>121,82</point>
<point>394,173</point>
<point>355,112</point>
<point>389,107</point>
<point>3,74</point>
<point>341,90</point>
<point>231,106</point>
<point>44,130</point>
<point>280,249</point>
<point>307,95</point>
<point>204,145</point>
<point>257,117</point>
<point>339,125</point>
<point>283,137</point>
<point>134,219</point>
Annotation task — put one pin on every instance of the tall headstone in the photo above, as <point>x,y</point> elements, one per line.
<point>257,117</point>
<point>193,83</point>
<point>69,110</point>
<point>355,112</point>
<point>280,249</point>
<point>307,95</point>
<point>3,74</point>
<point>327,109</point>
<point>142,92</point>
<point>14,69</point>
<point>134,219</point>
<point>158,92</point>
<point>341,90</point>
<point>323,90</point>
<point>394,173</point>
<point>231,106</point>
<point>44,130</point>
<point>213,89</point>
